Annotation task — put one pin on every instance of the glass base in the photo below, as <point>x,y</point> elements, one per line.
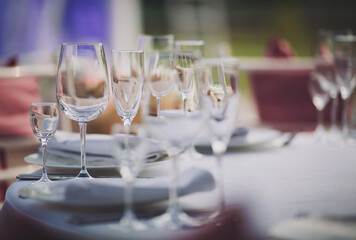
<point>175,221</point>
<point>128,225</point>
<point>83,174</point>
<point>191,154</point>
<point>44,179</point>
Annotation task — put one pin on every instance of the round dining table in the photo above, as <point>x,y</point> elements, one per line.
<point>304,179</point>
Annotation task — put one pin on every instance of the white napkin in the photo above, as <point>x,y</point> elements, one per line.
<point>98,147</point>
<point>99,192</point>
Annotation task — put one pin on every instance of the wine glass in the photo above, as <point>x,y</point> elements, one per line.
<point>320,97</point>
<point>158,49</point>
<point>161,76</point>
<point>127,81</point>
<point>218,85</point>
<point>154,43</point>
<point>345,66</point>
<point>186,54</point>
<point>130,152</point>
<point>44,123</point>
<point>176,131</point>
<point>324,70</point>
<point>82,87</point>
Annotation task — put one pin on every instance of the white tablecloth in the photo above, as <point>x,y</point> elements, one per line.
<point>305,177</point>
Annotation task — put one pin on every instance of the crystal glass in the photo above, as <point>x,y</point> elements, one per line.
<point>158,51</point>
<point>318,90</point>
<point>176,131</point>
<point>324,70</point>
<point>130,152</point>
<point>154,43</point>
<point>186,54</point>
<point>218,83</point>
<point>345,57</point>
<point>44,123</point>
<point>82,87</point>
<point>127,76</point>
<point>161,76</point>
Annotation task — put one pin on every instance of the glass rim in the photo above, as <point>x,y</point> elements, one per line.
<point>126,51</point>
<point>82,44</point>
<point>44,104</point>
<point>189,42</point>
<point>170,36</point>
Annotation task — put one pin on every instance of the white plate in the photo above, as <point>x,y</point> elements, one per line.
<point>255,138</point>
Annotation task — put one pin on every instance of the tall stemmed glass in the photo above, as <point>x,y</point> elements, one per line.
<point>320,97</point>
<point>176,132</point>
<point>44,123</point>
<point>154,43</point>
<point>162,46</point>
<point>131,158</point>
<point>161,76</point>
<point>219,85</point>
<point>127,75</point>
<point>345,65</point>
<point>186,54</point>
<point>324,71</point>
<point>82,87</point>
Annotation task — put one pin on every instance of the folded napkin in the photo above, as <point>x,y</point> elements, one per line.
<point>109,192</point>
<point>98,147</point>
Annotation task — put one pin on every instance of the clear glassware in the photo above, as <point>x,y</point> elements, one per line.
<point>154,43</point>
<point>186,54</point>
<point>345,66</point>
<point>44,123</point>
<point>324,70</point>
<point>318,90</point>
<point>161,77</point>
<point>218,83</point>
<point>176,132</point>
<point>82,87</point>
<point>127,76</point>
<point>130,152</point>
<point>158,50</point>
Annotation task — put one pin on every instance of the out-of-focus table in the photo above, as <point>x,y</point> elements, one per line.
<point>272,186</point>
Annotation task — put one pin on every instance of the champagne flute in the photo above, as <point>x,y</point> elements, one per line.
<point>82,87</point>
<point>44,123</point>
<point>176,132</point>
<point>324,70</point>
<point>186,54</point>
<point>320,97</point>
<point>345,65</point>
<point>131,157</point>
<point>218,85</point>
<point>127,82</point>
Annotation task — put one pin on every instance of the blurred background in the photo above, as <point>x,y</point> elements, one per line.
<point>31,32</point>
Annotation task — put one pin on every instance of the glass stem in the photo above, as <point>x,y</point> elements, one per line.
<point>220,184</point>
<point>173,195</point>
<point>128,212</point>
<point>44,161</point>
<point>344,118</point>
<point>127,126</point>
<point>83,161</point>
<point>320,124</point>
<point>158,106</point>
<point>185,98</point>
<point>333,112</point>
